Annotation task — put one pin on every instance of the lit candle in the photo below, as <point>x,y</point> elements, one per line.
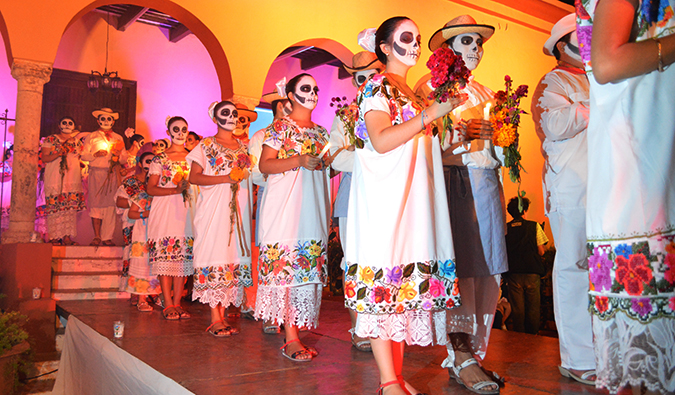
<point>325,150</point>
<point>486,111</point>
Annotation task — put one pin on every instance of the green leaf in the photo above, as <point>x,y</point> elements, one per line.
<point>378,275</point>
<point>361,293</point>
<point>408,270</point>
<point>352,269</point>
<point>424,268</point>
<point>424,287</point>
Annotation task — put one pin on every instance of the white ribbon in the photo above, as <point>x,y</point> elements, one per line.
<point>366,39</point>
<point>281,87</point>
<point>212,107</point>
<point>166,121</point>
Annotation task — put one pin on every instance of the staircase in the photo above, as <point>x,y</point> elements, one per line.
<point>86,273</point>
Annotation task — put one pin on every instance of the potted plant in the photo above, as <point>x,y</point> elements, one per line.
<point>13,345</point>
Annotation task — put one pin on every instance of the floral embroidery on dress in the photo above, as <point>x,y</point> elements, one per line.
<point>222,159</point>
<point>63,202</point>
<point>142,286</point>
<point>284,265</point>
<point>401,107</point>
<point>620,273</point>
<point>290,140</point>
<point>171,249</point>
<point>170,169</point>
<point>222,277</point>
<point>430,285</point>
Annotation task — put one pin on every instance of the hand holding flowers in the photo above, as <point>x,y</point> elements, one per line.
<point>348,114</point>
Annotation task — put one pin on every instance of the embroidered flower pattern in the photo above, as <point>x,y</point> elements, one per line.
<point>290,140</point>
<point>413,286</point>
<point>64,202</point>
<point>285,265</point>
<point>171,249</point>
<point>632,278</point>
<point>222,277</point>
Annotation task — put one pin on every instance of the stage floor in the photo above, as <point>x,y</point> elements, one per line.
<point>251,363</point>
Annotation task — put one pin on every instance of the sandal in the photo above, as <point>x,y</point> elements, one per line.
<point>184,315</point>
<point>311,349</point>
<point>295,355</point>
<point>108,243</point>
<point>380,389</point>
<point>225,331</point>
<point>171,315</point>
<point>56,242</point>
<point>401,382</point>
<point>363,345</point>
<point>583,379</point>
<point>270,328</point>
<point>95,242</point>
<point>144,306</point>
<point>479,387</point>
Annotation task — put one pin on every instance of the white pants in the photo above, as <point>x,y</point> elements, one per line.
<point>474,317</point>
<point>570,289</point>
<point>108,217</point>
<point>342,226</point>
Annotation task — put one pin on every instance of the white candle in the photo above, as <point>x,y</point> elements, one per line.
<point>486,111</point>
<point>325,150</point>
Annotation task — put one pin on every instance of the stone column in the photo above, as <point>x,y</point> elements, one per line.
<point>31,76</point>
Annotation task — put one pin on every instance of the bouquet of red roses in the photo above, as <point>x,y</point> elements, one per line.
<point>449,75</point>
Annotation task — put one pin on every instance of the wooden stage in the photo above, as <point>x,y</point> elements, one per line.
<point>251,363</point>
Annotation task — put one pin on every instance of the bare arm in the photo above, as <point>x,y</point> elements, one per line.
<point>270,164</point>
<point>198,177</point>
<point>385,137</point>
<point>136,213</point>
<point>154,189</point>
<point>122,202</point>
<point>613,56</point>
<point>49,154</point>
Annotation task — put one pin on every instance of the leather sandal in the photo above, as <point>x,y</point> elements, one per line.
<point>295,355</point>
<point>362,345</point>
<point>169,315</point>
<point>401,382</point>
<point>225,331</point>
<point>95,242</point>
<point>183,315</point>
<point>380,389</point>
<point>144,306</point>
<point>583,379</point>
<point>479,387</point>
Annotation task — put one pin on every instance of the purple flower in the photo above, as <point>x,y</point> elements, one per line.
<point>599,267</point>
<point>361,131</point>
<point>407,113</point>
<point>427,305</point>
<point>584,34</point>
<point>394,276</point>
<point>641,306</point>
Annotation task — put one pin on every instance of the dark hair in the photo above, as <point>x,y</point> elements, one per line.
<point>565,39</point>
<point>66,117</point>
<point>384,33</point>
<point>512,207</point>
<point>221,104</point>
<point>290,86</point>
<point>142,152</point>
<point>195,135</point>
<point>274,106</point>
<point>174,119</point>
<point>136,138</point>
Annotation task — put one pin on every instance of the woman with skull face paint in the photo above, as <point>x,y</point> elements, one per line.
<point>139,279</point>
<point>294,219</point>
<point>220,165</point>
<point>400,274</point>
<point>62,182</point>
<point>170,226</point>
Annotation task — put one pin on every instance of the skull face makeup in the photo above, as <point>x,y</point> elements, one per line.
<point>307,93</point>
<point>470,47</point>
<point>105,122</point>
<point>360,77</point>
<point>178,131</point>
<point>406,45</point>
<point>145,162</point>
<point>226,117</point>
<point>572,47</point>
<point>67,126</point>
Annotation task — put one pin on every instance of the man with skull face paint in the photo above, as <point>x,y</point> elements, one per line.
<point>98,147</point>
<point>364,65</point>
<point>246,116</point>
<point>294,220</point>
<point>560,110</point>
<point>62,182</point>
<point>476,203</point>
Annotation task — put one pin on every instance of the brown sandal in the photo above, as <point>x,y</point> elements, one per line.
<point>171,315</point>
<point>184,315</point>
<point>95,242</point>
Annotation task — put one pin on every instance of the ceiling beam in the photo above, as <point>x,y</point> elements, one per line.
<point>130,16</point>
<point>178,33</point>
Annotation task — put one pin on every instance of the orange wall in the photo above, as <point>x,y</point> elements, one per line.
<point>250,34</point>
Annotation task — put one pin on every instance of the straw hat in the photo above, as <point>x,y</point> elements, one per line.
<point>362,61</point>
<point>461,25</point>
<point>563,27</point>
<point>243,110</point>
<point>105,111</point>
<point>272,96</point>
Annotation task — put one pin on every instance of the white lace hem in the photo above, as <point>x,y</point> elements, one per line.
<point>296,306</point>
<point>61,224</point>
<point>628,352</point>
<point>415,327</point>
<point>225,296</point>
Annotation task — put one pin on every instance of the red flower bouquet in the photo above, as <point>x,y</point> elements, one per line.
<point>448,76</point>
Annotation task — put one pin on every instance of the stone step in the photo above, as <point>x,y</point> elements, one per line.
<point>70,252</point>
<point>83,280</point>
<point>89,265</point>
<point>89,294</point>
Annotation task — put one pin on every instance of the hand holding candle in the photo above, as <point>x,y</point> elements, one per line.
<point>486,111</point>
